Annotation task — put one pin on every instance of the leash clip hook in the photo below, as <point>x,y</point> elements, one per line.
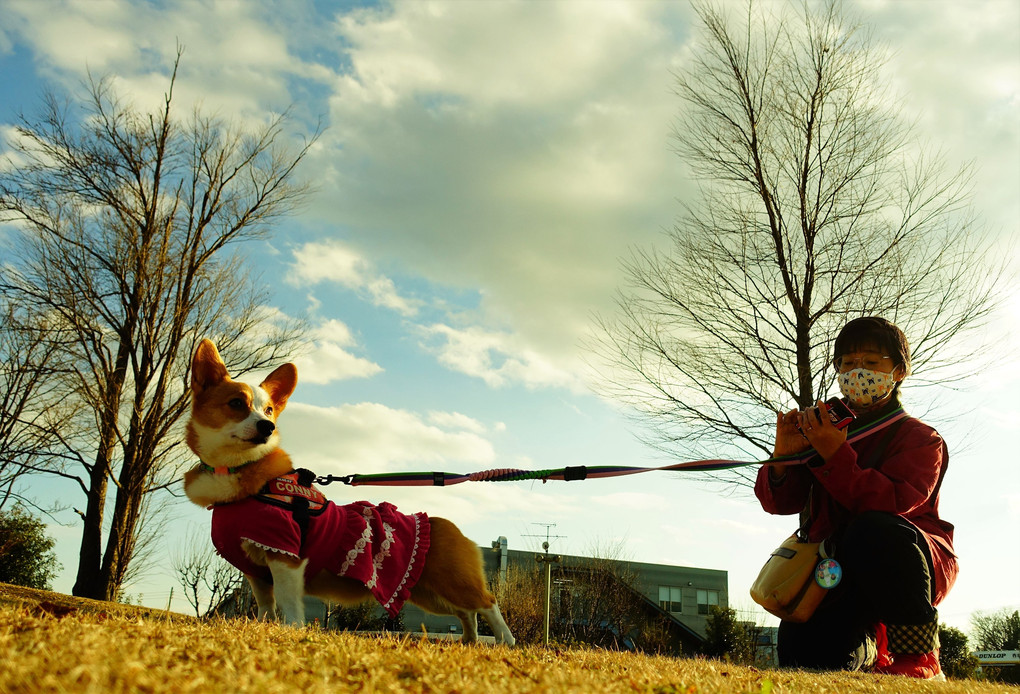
<point>329,479</point>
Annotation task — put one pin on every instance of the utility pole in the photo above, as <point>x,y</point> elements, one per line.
<point>548,561</point>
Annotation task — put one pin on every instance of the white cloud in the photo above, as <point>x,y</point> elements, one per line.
<point>456,420</point>
<point>80,34</point>
<point>455,156</point>
<point>516,147</point>
<point>747,529</point>
<point>240,72</point>
<point>6,41</point>
<point>335,331</point>
<point>493,52</point>
<point>368,438</point>
<point>453,149</point>
<point>1013,505</point>
<point>336,262</point>
<point>328,360</point>
<point>371,437</point>
<point>12,159</point>
<point>956,68</point>
<point>500,359</point>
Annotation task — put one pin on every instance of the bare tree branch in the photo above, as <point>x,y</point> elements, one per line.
<point>206,578</point>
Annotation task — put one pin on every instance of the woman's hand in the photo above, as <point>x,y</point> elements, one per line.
<point>789,440</point>
<point>819,431</point>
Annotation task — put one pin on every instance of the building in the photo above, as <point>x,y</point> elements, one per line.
<point>683,595</point>
<point>679,597</point>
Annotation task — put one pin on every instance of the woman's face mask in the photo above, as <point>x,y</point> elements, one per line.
<point>864,387</point>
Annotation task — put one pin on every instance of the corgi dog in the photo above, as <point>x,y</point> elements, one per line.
<point>271,523</point>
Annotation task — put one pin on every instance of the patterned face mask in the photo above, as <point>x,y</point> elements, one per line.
<point>864,387</point>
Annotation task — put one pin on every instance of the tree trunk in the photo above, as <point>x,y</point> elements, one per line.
<point>120,544</point>
<point>805,382</point>
<point>88,583</point>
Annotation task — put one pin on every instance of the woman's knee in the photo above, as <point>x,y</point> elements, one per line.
<point>874,529</point>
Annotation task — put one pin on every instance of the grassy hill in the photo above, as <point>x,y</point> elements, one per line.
<point>55,643</point>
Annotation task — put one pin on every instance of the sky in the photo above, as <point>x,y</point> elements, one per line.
<point>483,169</point>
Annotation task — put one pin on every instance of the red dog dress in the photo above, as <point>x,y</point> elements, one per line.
<point>375,545</point>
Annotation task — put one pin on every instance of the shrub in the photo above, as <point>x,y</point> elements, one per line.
<point>728,638</point>
<point>955,658</point>
<point>26,553</point>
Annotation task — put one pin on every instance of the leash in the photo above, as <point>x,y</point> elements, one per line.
<point>583,472</point>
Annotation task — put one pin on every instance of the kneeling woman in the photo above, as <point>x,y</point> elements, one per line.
<point>876,501</point>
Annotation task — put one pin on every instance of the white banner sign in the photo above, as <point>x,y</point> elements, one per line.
<point>998,657</point>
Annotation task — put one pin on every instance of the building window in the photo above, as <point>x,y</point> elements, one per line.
<point>706,599</point>
<point>670,599</point>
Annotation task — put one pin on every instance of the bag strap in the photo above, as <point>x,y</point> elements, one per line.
<point>805,515</point>
<point>877,456</point>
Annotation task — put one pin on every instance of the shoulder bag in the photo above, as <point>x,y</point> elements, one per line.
<point>798,574</point>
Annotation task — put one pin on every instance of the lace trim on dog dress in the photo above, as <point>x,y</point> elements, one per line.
<point>267,548</point>
<point>389,553</point>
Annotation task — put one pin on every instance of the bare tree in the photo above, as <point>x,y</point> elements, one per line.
<point>126,224</point>
<point>206,578</point>
<point>598,603</point>
<point>31,407</point>
<point>521,596</point>
<point>817,205</point>
<point>594,601</point>
<point>996,631</point>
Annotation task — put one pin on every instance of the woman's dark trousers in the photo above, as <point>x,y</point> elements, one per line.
<point>887,578</point>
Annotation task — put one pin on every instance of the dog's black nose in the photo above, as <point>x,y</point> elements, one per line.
<point>266,428</point>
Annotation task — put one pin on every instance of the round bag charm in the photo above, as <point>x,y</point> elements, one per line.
<point>828,573</point>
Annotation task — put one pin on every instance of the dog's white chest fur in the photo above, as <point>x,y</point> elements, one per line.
<point>210,489</point>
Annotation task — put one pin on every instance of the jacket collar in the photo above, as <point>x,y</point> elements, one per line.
<point>871,416</point>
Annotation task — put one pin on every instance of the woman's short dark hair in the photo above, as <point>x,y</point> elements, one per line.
<point>872,331</point>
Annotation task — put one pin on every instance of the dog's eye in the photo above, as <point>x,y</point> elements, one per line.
<point>237,404</point>
<point>269,411</point>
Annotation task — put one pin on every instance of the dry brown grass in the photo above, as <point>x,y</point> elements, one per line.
<point>127,650</point>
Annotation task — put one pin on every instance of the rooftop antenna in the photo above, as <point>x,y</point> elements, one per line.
<point>548,561</point>
<point>548,528</point>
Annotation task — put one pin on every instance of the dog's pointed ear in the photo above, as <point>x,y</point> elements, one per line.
<point>207,368</point>
<point>280,384</point>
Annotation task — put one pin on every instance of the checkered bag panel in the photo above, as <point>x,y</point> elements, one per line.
<point>913,638</point>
